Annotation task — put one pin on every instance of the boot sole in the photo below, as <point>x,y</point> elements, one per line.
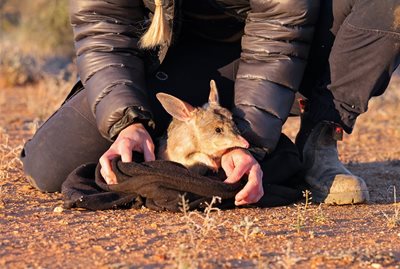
<point>345,190</point>
<point>348,198</point>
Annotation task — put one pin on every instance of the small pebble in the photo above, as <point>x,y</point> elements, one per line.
<point>58,209</point>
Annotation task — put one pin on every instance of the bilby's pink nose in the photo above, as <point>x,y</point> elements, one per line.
<point>243,142</point>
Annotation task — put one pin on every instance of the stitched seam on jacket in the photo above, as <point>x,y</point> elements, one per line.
<point>90,75</point>
<point>252,77</point>
<point>107,90</point>
<point>259,108</point>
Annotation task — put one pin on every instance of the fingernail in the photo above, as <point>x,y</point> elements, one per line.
<point>109,180</point>
<point>238,202</point>
<point>228,180</point>
<point>239,197</point>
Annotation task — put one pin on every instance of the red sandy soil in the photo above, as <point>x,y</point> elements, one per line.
<point>37,233</point>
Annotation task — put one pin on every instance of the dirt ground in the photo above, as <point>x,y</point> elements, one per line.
<point>37,233</point>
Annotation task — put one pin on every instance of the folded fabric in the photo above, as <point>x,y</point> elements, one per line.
<point>159,185</point>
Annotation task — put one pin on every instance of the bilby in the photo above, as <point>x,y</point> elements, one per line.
<point>197,137</point>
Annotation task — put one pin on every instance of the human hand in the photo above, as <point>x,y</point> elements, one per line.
<point>237,163</point>
<point>133,138</point>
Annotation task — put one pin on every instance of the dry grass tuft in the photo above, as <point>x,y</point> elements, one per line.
<point>302,211</point>
<point>9,162</point>
<point>197,228</point>
<point>320,217</point>
<point>48,95</point>
<point>2,195</point>
<point>16,67</point>
<point>393,220</point>
<point>9,156</point>
<point>198,225</point>
<point>289,259</point>
<point>247,228</point>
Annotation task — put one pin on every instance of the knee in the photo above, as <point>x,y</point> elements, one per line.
<point>42,184</point>
<point>42,178</point>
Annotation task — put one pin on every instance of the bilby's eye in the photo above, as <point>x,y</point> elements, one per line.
<point>218,130</point>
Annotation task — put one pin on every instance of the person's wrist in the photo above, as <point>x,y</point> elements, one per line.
<point>137,125</point>
<point>132,127</point>
<point>235,149</point>
<point>258,153</point>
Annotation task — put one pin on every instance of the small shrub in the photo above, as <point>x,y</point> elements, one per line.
<point>42,25</point>
<point>16,67</point>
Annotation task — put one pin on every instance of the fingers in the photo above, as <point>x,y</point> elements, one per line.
<point>127,146</point>
<point>106,170</point>
<point>228,166</point>
<point>135,138</point>
<point>132,138</point>
<point>238,163</point>
<point>148,150</point>
<point>237,173</point>
<point>125,150</point>
<point>253,190</point>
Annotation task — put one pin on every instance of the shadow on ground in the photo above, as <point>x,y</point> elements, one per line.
<point>382,178</point>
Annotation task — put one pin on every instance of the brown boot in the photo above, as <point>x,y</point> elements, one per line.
<point>330,182</point>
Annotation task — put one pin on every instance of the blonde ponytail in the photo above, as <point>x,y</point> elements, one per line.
<point>159,32</point>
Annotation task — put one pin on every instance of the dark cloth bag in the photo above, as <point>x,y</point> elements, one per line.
<point>159,184</point>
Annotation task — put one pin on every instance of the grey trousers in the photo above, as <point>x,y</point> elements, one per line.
<point>66,140</point>
<point>356,49</point>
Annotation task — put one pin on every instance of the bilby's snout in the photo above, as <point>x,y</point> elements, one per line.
<point>243,142</point>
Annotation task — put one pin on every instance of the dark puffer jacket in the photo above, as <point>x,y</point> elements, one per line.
<point>275,48</point>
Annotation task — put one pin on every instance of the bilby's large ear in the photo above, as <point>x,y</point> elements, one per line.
<point>176,107</point>
<point>213,98</point>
